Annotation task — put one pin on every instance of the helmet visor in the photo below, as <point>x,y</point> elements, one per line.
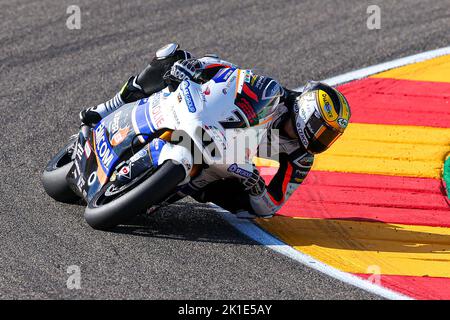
<point>314,134</point>
<point>322,139</point>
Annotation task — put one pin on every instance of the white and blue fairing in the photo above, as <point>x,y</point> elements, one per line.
<point>193,108</point>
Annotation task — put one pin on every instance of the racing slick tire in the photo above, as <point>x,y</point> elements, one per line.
<point>102,213</point>
<point>55,173</point>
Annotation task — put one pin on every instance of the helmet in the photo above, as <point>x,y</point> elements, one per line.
<point>320,115</point>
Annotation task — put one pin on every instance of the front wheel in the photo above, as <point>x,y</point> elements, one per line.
<point>111,207</point>
<point>55,173</point>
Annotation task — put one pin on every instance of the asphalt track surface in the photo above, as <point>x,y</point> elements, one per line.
<point>49,73</point>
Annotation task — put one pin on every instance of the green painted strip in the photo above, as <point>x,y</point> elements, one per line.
<point>447,175</point>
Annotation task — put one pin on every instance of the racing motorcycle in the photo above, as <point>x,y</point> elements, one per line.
<point>145,151</point>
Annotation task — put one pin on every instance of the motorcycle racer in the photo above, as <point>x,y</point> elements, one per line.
<point>308,123</point>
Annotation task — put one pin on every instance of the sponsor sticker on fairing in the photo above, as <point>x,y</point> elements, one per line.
<point>140,154</point>
<point>248,75</point>
<point>223,75</point>
<point>104,151</point>
<point>143,101</point>
<point>92,178</point>
<point>115,124</point>
<point>125,172</point>
<point>156,113</point>
<point>188,97</point>
<point>87,149</point>
<point>119,136</point>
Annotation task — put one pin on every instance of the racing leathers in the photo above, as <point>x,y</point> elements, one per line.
<point>232,195</point>
<point>249,196</point>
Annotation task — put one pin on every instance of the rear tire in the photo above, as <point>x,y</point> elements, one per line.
<point>149,192</point>
<point>55,173</point>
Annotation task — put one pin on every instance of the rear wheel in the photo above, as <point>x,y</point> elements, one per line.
<point>114,205</point>
<point>55,173</point>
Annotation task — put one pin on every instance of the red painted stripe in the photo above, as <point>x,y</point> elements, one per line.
<point>402,102</point>
<point>390,199</point>
<point>424,288</point>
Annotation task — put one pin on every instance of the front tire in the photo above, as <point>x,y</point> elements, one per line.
<point>55,173</point>
<point>105,215</point>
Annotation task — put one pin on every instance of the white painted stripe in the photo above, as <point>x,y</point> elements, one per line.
<point>259,235</point>
<point>365,72</point>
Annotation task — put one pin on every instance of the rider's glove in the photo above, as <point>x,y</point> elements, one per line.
<point>185,69</point>
<point>254,184</point>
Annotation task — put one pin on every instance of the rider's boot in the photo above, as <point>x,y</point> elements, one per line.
<point>149,81</point>
<point>131,91</point>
